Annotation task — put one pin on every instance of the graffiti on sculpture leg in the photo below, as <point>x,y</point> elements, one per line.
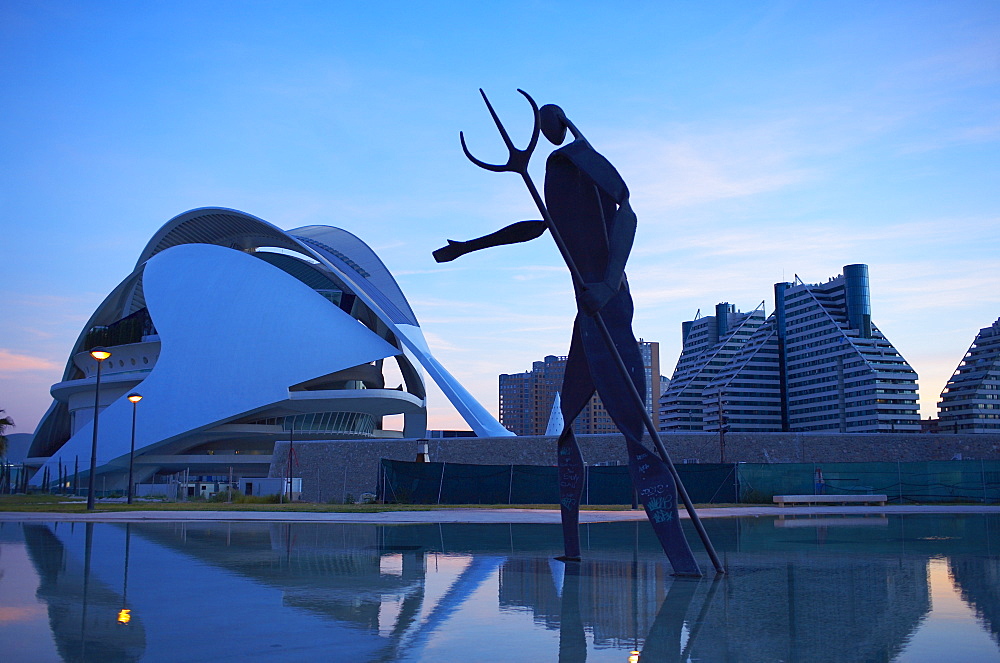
<point>571,474</point>
<point>658,494</point>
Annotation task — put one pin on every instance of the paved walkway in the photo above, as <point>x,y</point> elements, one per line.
<point>544,516</point>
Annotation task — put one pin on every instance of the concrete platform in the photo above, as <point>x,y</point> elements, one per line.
<point>785,500</point>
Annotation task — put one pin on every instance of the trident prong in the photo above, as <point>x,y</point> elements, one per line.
<point>517,160</point>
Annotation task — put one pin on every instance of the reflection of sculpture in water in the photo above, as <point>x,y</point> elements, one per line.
<point>623,605</point>
<point>587,209</point>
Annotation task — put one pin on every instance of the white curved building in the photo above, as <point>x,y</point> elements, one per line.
<point>237,333</point>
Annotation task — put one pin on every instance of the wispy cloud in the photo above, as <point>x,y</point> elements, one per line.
<point>12,362</point>
<point>969,135</point>
<point>679,166</point>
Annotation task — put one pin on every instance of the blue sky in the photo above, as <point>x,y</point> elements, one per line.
<point>759,140</point>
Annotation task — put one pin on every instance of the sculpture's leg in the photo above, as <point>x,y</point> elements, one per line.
<point>650,475</point>
<point>577,390</point>
<point>571,474</point>
<point>658,495</point>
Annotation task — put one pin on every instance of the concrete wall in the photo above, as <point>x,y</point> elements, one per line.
<point>331,470</point>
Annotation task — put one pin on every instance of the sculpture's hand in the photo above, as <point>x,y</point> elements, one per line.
<point>594,296</point>
<point>450,252</point>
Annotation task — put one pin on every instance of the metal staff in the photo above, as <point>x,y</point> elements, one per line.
<point>517,162</point>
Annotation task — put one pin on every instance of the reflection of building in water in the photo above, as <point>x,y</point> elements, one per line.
<point>332,570</point>
<point>825,608</point>
<point>838,591</point>
<point>192,579</point>
<point>816,608</point>
<point>978,582</point>
<point>618,599</point>
<point>361,589</point>
<point>785,599</point>
<point>83,610</point>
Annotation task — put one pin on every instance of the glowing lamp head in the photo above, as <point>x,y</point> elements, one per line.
<point>124,616</point>
<point>134,397</point>
<point>100,354</point>
<point>633,657</point>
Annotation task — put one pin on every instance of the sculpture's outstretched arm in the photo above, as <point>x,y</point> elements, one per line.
<point>522,231</point>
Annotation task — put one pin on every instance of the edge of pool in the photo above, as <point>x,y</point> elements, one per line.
<point>471,515</point>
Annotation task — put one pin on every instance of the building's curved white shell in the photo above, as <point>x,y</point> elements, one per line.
<point>239,330</point>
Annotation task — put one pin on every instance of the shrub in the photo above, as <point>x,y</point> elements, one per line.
<point>240,498</point>
<point>257,499</point>
<point>753,496</point>
<point>223,496</point>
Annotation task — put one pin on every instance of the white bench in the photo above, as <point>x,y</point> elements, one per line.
<point>785,500</point>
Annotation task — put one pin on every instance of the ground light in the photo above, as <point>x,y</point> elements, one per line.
<point>99,354</point>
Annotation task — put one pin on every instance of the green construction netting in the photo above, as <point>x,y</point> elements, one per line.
<point>455,483</point>
<point>934,481</point>
<point>710,483</point>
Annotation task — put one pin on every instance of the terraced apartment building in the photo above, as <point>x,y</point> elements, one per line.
<point>817,363</point>
<point>970,402</point>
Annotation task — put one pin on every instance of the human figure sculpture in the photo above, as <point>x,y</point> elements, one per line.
<point>587,204</point>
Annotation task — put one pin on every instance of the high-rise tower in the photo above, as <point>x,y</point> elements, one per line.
<point>526,398</point>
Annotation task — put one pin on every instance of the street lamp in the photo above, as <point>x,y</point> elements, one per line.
<point>99,354</point>
<point>723,428</point>
<point>135,398</point>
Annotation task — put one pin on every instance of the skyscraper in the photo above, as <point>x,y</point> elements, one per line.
<point>816,364</point>
<point>970,402</point>
<point>526,398</point>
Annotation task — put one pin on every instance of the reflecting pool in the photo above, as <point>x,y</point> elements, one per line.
<point>832,588</point>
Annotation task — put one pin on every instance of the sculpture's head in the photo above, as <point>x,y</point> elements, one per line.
<point>554,123</point>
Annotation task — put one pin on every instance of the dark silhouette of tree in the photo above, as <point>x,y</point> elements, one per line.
<point>5,422</point>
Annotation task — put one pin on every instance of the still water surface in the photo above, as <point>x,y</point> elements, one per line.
<point>896,588</point>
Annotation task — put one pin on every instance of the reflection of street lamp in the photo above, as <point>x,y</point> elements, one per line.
<point>135,398</point>
<point>99,354</point>
<point>125,614</point>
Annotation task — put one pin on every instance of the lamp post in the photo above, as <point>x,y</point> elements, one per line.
<point>134,398</point>
<point>99,354</point>
<point>723,427</point>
